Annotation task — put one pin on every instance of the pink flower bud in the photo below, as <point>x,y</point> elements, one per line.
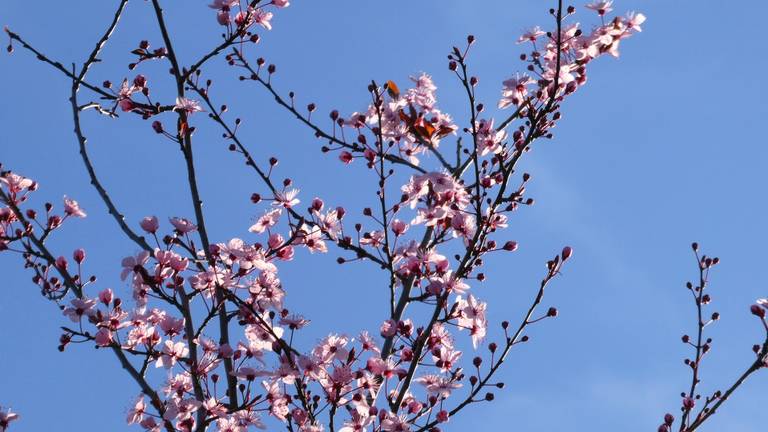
<point>222,17</point>
<point>105,296</point>
<point>299,416</point>
<point>399,227</point>
<point>369,155</point>
<point>346,157</point>
<point>286,253</point>
<point>755,309</point>
<point>567,252</point>
<point>126,104</point>
<point>388,328</point>
<point>688,403</point>
<point>510,246</point>
<point>442,416</point>
<point>140,81</point>
<point>61,263</point>
<point>149,224</point>
<point>317,204</point>
<point>78,255</point>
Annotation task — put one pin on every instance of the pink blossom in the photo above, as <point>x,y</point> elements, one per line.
<point>150,224</point>
<point>399,227</point>
<point>287,198</point>
<point>136,413</point>
<point>281,3</point>
<point>72,208</point>
<point>531,35</point>
<point>103,337</point>
<point>183,225</point>
<point>80,307</point>
<point>332,347</point>
<point>601,7</point>
<point>635,20</point>
<point>395,424</point>
<point>269,219</point>
<point>172,326</point>
<point>105,296</point>
<point>249,373</point>
<point>188,106</point>
<point>15,182</point>
<point>171,353</point>
<point>438,385</point>
<point>367,342</point>
<point>515,90</point>
<point>294,322</point>
<point>223,4</point>
<point>130,263</point>
<point>388,328</point>
<point>262,18</point>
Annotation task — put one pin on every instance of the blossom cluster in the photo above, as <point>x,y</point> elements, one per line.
<point>211,320</point>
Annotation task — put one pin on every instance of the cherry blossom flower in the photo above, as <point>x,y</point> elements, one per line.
<point>224,4</point>
<point>438,385</point>
<point>72,208</point>
<point>287,198</point>
<point>367,343</point>
<point>515,90</point>
<point>182,225</point>
<point>601,7</point>
<point>634,21</point>
<point>136,413</point>
<point>399,227</point>
<point>249,373</point>
<point>332,347</point>
<point>103,337</point>
<point>150,224</point>
<point>531,35</point>
<point>395,424</point>
<point>171,353</point>
<point>263,18</point>
<point>79,308</point>
<point>15,182</point>
<point>188,106</point>
<point>294,322</point>
<point>130,263</point>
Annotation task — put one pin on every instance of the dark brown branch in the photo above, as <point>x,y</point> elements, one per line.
<point>185,139</point>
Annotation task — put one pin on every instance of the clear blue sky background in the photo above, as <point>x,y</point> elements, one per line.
<point>663,147</point>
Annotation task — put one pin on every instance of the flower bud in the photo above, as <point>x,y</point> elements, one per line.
<point>346,157</point>
<point>78,255</point>
<point>567,252</point>
<point>317,204</point>
<point>669,419</point>
<point>149,224</point>
<point>105,296</point>
<point>510,246</point>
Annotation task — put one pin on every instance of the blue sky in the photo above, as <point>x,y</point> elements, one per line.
<point>661,148</point>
